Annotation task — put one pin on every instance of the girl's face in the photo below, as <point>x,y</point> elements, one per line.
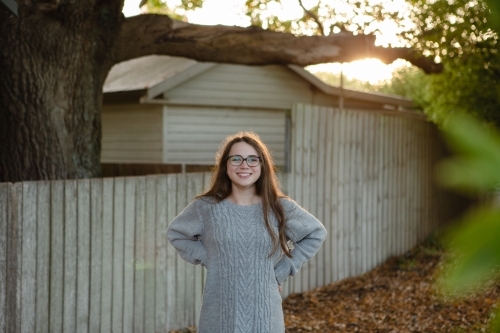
<point>243,176</point>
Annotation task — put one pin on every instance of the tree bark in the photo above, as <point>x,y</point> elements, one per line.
<point>53,63</point>
<point>158,34</point>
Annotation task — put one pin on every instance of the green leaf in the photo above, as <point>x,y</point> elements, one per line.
<point>494,6</point>
<point>477,249</point>
<point>476,165</point>
<point>495,322</point>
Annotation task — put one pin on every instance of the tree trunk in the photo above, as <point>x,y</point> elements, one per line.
<point>53,63</point>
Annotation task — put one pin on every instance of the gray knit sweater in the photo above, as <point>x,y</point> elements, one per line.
<point>231,241</point>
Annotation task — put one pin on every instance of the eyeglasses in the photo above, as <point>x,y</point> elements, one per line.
<point>237,160</point>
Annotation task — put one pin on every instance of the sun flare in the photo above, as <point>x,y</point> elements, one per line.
<point>367,70</point>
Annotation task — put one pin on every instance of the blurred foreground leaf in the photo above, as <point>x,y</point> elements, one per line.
<point>494,6</point>
<point>476,251</point>
<point>476,165</point>
<point>474,243</point>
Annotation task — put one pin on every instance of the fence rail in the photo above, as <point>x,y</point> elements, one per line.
<point>91,255</point>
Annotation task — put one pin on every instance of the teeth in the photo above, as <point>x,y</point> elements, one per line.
<point>244,174</point>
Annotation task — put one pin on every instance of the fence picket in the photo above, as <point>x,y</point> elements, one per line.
<point>129,264</point>
<point>320,192</point>
<point>4,219</point>
<point>70,228</point>
<point>56,255</point>
<point>335,198</point>
<point>83,256</point>
<point>372,190</point>
<point>342,197</point>
<point>327,193</point>
<point>140,258</point>
<point>118,245</point>
<point>149,251</point>
<point>312,133</point>
<point>172,321</point>
<point>14,258</point>
<point>107,254</point>
<point>43,257</point>
<point>359,186</point>
<point>28,278</point>
<point>362,190</point>
<point>298,153</point>
<point>96,253</point>
<point>182,289</point>
<point>161,255</point>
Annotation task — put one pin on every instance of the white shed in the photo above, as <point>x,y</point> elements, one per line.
<point>170,110</point>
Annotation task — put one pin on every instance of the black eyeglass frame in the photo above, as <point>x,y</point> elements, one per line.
<point>244,160</point>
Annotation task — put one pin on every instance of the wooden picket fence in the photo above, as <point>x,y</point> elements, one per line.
<point>369,176</point>
<point>91,255</point>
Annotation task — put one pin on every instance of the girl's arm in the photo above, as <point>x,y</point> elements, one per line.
<point>184,234</point>
<point>307,235</point>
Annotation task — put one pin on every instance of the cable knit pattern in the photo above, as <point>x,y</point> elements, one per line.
<point>241,292</point>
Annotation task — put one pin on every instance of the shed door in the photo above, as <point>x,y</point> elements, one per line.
<point>192,134</point>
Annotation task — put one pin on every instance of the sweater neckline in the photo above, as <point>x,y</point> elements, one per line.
<point>243,206</point>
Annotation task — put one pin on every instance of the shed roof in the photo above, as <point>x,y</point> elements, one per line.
<point>10,4</point>
<point>144,73</point>
<point>155,74</point>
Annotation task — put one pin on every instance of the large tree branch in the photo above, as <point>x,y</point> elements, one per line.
<point>158,34</point>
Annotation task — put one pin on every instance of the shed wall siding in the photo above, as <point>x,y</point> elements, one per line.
<point>245,85</point>
<point>193,134</point>
<point>132,134</point>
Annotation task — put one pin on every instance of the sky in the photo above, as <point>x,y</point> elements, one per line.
<point>231,12</point>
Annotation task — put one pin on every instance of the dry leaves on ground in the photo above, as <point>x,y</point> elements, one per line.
<point>398,296</point>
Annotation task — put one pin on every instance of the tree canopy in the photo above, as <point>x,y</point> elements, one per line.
<point>462,34</point>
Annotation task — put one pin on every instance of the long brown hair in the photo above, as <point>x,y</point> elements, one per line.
<point>267,186</point>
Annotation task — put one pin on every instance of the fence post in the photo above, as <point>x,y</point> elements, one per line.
<point>4,221</point>
<point>12,245</point>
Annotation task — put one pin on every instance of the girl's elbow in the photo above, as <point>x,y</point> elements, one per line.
<point>322,233</point>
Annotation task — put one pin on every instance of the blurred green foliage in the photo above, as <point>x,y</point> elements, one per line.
<point>475,169</point>
<point>474,239</point>
<point>450,28</point>
<point>461,34</point>
<point>476,166</point>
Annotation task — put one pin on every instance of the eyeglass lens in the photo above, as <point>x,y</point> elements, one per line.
<point>238,160</point>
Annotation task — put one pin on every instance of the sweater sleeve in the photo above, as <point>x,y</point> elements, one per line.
<point>307,235</point>
<point>184,233</point>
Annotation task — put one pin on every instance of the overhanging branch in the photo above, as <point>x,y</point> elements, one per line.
<point>158,34</point>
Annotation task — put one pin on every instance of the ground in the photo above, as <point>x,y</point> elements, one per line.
<point>398,296</point>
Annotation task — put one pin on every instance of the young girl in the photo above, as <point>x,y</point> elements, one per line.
<point>239,230</point>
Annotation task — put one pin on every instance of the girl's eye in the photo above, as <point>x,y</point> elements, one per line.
<point>252,159</point>
<point>236,159</point>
